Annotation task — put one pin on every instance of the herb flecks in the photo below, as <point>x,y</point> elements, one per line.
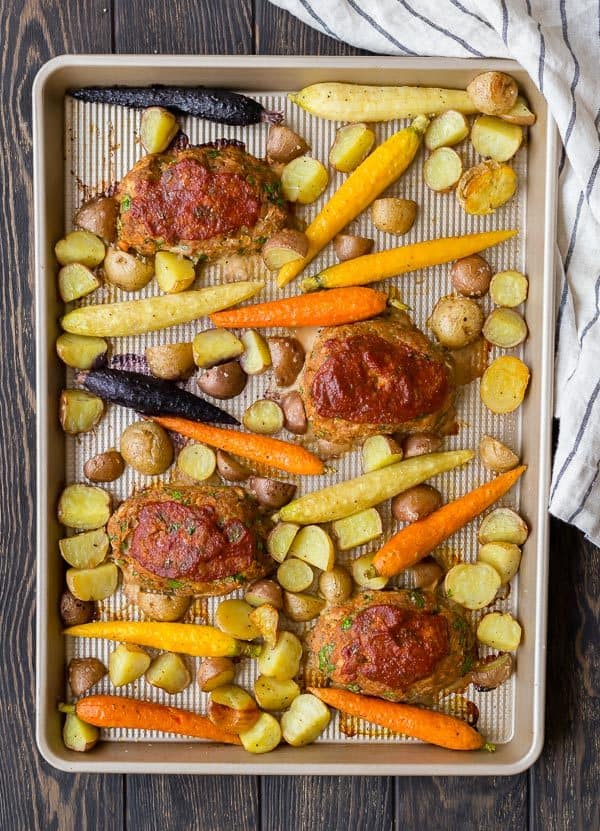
<point>417,597</point>
<point>346,623</point>
<point>325,654</point>
<point>125,203</point>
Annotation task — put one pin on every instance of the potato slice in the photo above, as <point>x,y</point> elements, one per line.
<point>284,247</point>
<point>301,607</point>
<point>280,540</point>
<point>362,569</point>
<point>500,631</point>
<point>496,456</point>
<point>306,719</point>
<point>503,525</point>
<point>505,328</point>
<point>197,461</point>
<point>380,451</point>
<point>85,550</point>
<point>284,144</point>
<point>393,215</point>
<point>263,736</point>
<point>335,586</point>
<point>263,416</point>
<point>174,273</point>
<point>443,169</point>
<point>127,663</point>
<point>158,128</point>
<point>78,735</point>
<point>79,411</point>
<point>485,187</point>
<point>233,618</point>
<point>272,694</point>
<point>519,113</point>
<point>76,280</point>
<point>447,129</point>
<point>294,575</point>
<point>357,529</point>
<point>352,145</point>
<point>304,180</point>
<point>215,346</point>
<point>127,271</point>
<point>281,661</point>
<point>256,357</point>
<point>215,672</point>
<point>171,361</point>
<point>313,545</point>
<point>472,585</point>
<point>168,672</point>
<point>93,583</point>
<point>266,619</point>
<point>505,557</point>
<point>504,384</point>
<point>496,139</point>
<point>80,351</point>
<point>81,247</point>
<point>509,288</point>
<point>84,507</point>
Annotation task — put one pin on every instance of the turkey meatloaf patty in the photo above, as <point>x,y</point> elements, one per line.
<point>190,540</point>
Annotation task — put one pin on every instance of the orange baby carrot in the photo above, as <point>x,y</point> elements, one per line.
<point>131,714</point>
<point>272,452</point>
<point>324,308</point>
<point>417,540</point>
<point>426,725</point>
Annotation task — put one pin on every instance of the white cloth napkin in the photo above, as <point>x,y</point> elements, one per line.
<point>558,43</point>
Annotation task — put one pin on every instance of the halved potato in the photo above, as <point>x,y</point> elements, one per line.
<point>197,461</point>
<point>504,384</point>
<point>280,540</point>
<point>496,456</point>
<point>301,607</point>
<point>256,357</point>
<point>76,280</point>
<point>171,361</point>
<point>503,525</point>
<point>284,247</point>
<point>470,361</point>
<point>215,672</point>
<point>284,144</point>
<point>472,585</point>
<point>266,619</point>
<point>168,672</point>
<point>85,550</point>
<point>352,145</point>
<point>505,328</point>
<point>357,529</point>
<point>215,346</point>
<point>93,583</point>
<point>442,169</point>
<point>81,351</point>
<point>304,180</point>
<point>99,216</point>
<point>232,708</point>
<point>80,247</point>
<point>263,416</point>
<point>447,129</point>
<point>281,661</point>
<point>313,545</point>
<point>485,187</point>
<point>264,592</point>
<point>127,271</point>
<point>362,568</point>
<point>305,720</point>
<point>335,586</point>
<point>519,114</point>
<point>500,631</point>
<point>294,575</point>
<point>158,128</point>
<point>505,557</point>
<point>380,451</point>
<point>495,138</point>
<point>233,618</point>
<point>509,288</point>
<point>79,735</point>
<point>84,507</point>
<point>174,273</point>
<point>79,411</point>
<point>272,694</point>
<point>263,736</point>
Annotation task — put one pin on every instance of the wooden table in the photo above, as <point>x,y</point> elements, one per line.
<point>559,792</point>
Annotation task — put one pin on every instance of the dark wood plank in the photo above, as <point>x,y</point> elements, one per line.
<point>279,33</point>
<point>32,795</point>
<point>335,803</point>
<point>565,782</point>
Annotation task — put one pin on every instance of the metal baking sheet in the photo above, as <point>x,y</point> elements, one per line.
<point>100,144</point>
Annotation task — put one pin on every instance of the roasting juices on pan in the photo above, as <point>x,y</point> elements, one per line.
<point>384,634</point>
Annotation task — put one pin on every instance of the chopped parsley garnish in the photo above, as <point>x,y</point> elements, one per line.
<point>353,688</point>
<point>174,584</point>
<point>173,527</point>
<point>273,191</point>
<point>449,592</point>
<point>346,623</point>
<point>416,595</point>
<point>261,240</point>
<point>124,527</point>
<point>191,530</point>
<point>176,495</point>
<point>213,154</point>
<point>239,578</point>
<point>467,665</point>
<point>125,203</point>
<point>325,654</point>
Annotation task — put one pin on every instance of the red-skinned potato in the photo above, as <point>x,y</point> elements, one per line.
<point>294,413</point>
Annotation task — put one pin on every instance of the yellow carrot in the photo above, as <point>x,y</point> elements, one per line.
<point>385,164</point>
<point>189,638</point>
<point>401,260</point>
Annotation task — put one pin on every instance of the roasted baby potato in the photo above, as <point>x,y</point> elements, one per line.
<point>443,169</point>
<point>519,113</point>
<point>263,416</point>
<point>281,661</point>
<point>503,525</point>
<point>456,321</point>
<point>99,216</point>
<point>500,631</point>
<point>272,694</point>
<point>505,557</point>
<point>304,180</point>
<point>313,545</point>
<point>271,493</point>
<point>81,352</point>
<point>84,507</point>
<point>169,673</point>
<point>504,384</point>
<point>494,93</point>
<point>420,443</point>
<point>305,720</point>
<point>73,611</point>
<point>416,503</point>
<point>93,583</point>
<point>509,288</point>
<point>76,280</point>
<point>146,447</point>
<point>266,619</point>
<point>158,128</point>
<point>287,356</point>
<point>301,607</point>
<point>79,411</point>
<point>284,247</point>
<point>470,361</point>
<point>215,672</point>
<point>471,276</point>
<point>256,357</point>
<point>394,215</point>
<point>496,456</point>
<point>349,246</point>
<point>263,736</point>
<point>294,575</point>
<point>357,529</point>
<point>171,361</point>
<point>496,139</point>
<point>80,247</point>
<point>232,708</point>
<point>86,550</point>
<point>84,673</point>
<point>505,328</point>
<point>362,568</point>
<point>215,346</point>
<point>163,607</point>
<point>104,467</point>
<point>352,145</point>
<point>447,129</point>
<point>78,735</point>
<point>485,187</point>
<point>264,591</point>
<point>489,673</point>
<point>174,273</point>
<point>127,271</point>
<point>233,618</point>
<point>224,381</point>
<point>284,144</point>
<point>126,664</point>
<point>280,540</point>
<point>472,585</point>
<point>197,461</point>
<point>294,414</point>
<point>426,574</point>
<point>380,451</point>
<point>335,586</point>
<point>231,469</point>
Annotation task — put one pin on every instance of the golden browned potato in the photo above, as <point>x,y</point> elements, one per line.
<point>471,276</point>
<point>84,673</point>
<point>496,456</point>
<point>416,503</point>
<point>287,356</point>
<point>284,247</point>
<point>233,618</point>
<point>127,271</point>
<point>174,273</point>
<point>266,619</point>
<point>264,591</point>
<point>73,611</point>
<point>271,493</point>
<point>504,384</point>
<point>485,187</point>
<point>494,93</point>
<point>104,467</point>
<point>456,321</point>
<point>147,448</point>
<point>294,414</point>
<point>349,246</point>
<point>281,661</point>
<point>171,361</point>
<point>99,215</point>
<point>284,145</point>
<point>79,411</point>
<point>500,631</point>
<point>215,672</point>
<point>93,583</point>
<point>165,607</point>
<point>158,128</point>
<point>169,672</point>
<point>394,215</point>
<point>470,361</point>
<point>231,469</point>
<point>224,381</point>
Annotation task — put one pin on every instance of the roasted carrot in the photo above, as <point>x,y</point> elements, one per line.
<point>189,638</point>
<point>426,725</point>
<point>417,540</point>
<point>325,308</point>
<point>385,164</point>
<point>132,714</point>
<point>394,261</point>
<point>272,452</point>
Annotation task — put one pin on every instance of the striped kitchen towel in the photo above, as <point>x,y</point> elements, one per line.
<point>558,43</point>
